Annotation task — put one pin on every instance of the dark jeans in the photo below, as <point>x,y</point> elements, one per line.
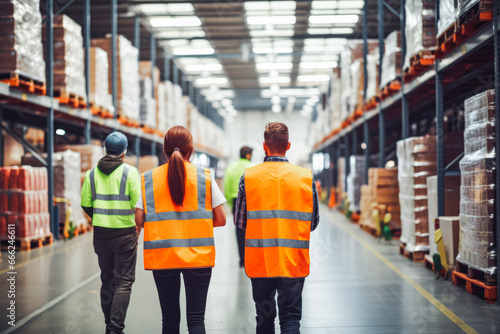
<point>289,303</point>
<point>196,282</point>
<point>117,258</point>
<point>240,237</point>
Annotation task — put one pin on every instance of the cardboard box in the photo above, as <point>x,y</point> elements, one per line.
<point>450,228</point>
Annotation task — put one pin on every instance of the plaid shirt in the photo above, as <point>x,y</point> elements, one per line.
<point>240,213</point>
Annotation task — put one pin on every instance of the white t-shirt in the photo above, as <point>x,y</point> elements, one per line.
<point>217,197</point>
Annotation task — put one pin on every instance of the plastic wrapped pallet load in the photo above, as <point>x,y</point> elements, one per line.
<point>24,202</point>
<point>161,108</point>
<point>99,95</point>
<point>447,15</point>
<point>420,28</point>
<point>89,155</point>
<point>372,88</point>
<point>477,191</point>
<point>127,75</point>
<point>391,62</point>
<point>335,100</point>
<point>355,181</point>
<point>417,161</point>
<point>67,186</point>
<point>345,80</point>
<point>69,67</point>
<point>21,30</point>
<point>147,111</point>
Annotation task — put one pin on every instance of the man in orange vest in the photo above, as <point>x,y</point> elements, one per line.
<point>277,205</point>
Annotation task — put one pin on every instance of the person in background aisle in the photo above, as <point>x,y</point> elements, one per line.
<point>277,205</point>
<point>179,207</point>
<point>231,181</point>
<point>109,194</point>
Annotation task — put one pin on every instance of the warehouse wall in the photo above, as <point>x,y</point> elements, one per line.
<point>248,129</point>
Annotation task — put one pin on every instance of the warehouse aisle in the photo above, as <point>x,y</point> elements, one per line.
<point>357,285</point>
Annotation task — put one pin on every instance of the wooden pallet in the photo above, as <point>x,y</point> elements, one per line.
<point>71,99</point>
<point>147,129</point>
<point>128,122</point>
<point>26,244</point>
<point>24,82</point>
<point>390,89</point>
<point>429,262</point>
<point>475,287</point>
<point>418,256</point>
<point>479,13</point>
<point>371,103</point>
<point>370,230</point>
<point>476,274</point>
<point>100,111</point>
<point>419,64</point>
<point>446,41</point>
<point>355,218</point>
<point>402,246</point>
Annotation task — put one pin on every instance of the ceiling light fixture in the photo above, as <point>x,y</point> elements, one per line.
<point>193,51</point>
<point>203,67</point>
<point>329,19</point>
<point>186,21</point>
<point>318,65</point>
<point>274,80</point>
<point>313,78</point>
<point>263,20</point>
<point>274,66</point>
<point>276,108</point>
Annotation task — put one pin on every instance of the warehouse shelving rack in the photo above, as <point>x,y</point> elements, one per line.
<point>464,72</point>
<point>45,112</point>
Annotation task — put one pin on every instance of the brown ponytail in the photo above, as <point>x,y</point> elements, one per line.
<point>177,147</point>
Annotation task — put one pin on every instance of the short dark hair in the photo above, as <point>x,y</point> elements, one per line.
<point>276,137</point>
<point>244,151</point>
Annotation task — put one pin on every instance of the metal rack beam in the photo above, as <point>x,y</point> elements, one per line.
<point>86,42</point>
<point>496,39</point>
<point>114,55</point>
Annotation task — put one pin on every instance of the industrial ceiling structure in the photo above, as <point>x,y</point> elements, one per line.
<point>246,55</point>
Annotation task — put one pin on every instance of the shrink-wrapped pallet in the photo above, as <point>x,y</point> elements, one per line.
<point>127,73</point>
<point>420,28</point>
<point>99,95</point>
<point>345,80</point>
<point>355,181</point>
<point>21,49</point>
<point>147,103</point>
<point>477,191</point>
<point>67,184</point>
<point>372,66</point>
<point>69,69</point>
<point>89,156</point>
<point>447,15</point>
<point>391,62</point>
<point>161,108</point>
<point>335,100</point>
<point>416,162</point>
<point>357,82</point>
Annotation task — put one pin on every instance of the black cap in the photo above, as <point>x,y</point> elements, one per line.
<point>116,143</point>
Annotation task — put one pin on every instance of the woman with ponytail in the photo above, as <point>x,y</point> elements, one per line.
<point>179,207</point>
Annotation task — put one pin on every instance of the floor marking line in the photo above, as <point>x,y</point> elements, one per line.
<point>60,250</point>
<point>50,304</point>
<point>427,295</point>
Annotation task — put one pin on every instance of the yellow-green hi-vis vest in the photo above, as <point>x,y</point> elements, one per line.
<point>111,198</point>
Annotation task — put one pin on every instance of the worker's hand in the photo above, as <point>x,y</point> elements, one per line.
<point>138,230</point>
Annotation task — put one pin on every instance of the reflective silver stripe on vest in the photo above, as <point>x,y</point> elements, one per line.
<point>150,194</point>
<point>123,185</point>
<point>169,243</point>
<point>112,197</point>
<point>114,212</point>
<point>123,182</point>
<point>92,184</point>
<point>290,243</point>
<point>284,214</point>
<point>201,213</point>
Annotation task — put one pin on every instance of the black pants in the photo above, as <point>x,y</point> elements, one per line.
<point>289,303</point>
<point>196,282</point>
<point>240,237</point>
<point>117,258</point>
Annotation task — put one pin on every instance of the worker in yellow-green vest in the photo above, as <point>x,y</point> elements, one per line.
<point>231,182</point>
<point>109,194</point>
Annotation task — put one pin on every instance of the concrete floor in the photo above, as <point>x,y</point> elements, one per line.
<point>356,285</point>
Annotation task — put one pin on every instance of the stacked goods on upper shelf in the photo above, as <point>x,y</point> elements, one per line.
<point>334,101</point>
<point>21,49</point>
<point>127,73</point>
<point>464,5</point>
<point>161,107</point>
<point>372,66</point>
<point>89,154</point>
<point>477,190</point>
<point>24,202</point>
<point>69,77</point>
<point>420,31</point>
<point>99,95</point>
<point>147,101</point>
<point>67,187</point>
<point>351,76</point>
<point>447,15</point>
<point>416,162</point>
<point>355,181</point>
<point>180,115</point>
<point>391,62</point>
<point>451,203</point>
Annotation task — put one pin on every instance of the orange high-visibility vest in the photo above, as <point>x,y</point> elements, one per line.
<point>279,201</point>
<point>178,237</point>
